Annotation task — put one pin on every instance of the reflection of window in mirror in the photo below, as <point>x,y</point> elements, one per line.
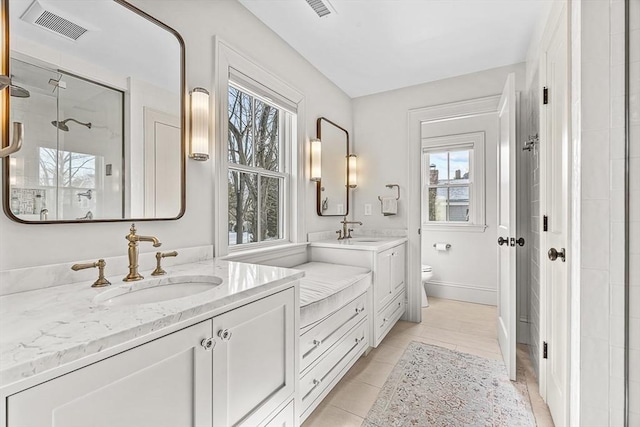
<point>332,191</point>
<point>100,113</point>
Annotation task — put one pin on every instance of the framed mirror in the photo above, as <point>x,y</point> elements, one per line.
<point>99,89</point>
<point>332,190</point>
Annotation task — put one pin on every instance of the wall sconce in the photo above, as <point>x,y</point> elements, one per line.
<point>199,124</point>
<point>353,171</point>
<point>316,160</point>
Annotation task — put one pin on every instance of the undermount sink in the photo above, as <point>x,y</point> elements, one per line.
<point>365,239</point>
<point>164,289</point>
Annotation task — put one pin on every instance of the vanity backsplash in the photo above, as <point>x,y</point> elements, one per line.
<point>32,278</point>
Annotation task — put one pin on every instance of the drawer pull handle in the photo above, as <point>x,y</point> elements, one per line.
<point>224,334</point>
<point>317,343</point>
<point>316,383</point>
<point>359,310</point>
<point>359,340</point>
<point>208,343</point>
<point>383,322</point>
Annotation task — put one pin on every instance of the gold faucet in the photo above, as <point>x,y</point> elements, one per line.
<point>133,239</point>
<point>344,223</point>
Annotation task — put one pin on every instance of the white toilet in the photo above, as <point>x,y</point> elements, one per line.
<point>427,274</point>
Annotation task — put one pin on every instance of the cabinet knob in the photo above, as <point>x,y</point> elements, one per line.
<point>224,334</point>
<point>208,343</point>
<point>316,343</point>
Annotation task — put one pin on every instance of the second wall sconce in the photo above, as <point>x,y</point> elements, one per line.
<point>353,171</point>
<point>199,124</point>
<point>316,159</point>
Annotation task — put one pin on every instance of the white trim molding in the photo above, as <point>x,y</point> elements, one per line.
<point>228,60</point>
<point>462,292</point>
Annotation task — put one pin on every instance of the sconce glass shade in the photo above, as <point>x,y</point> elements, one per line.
<point>316,159</point>
<point>353,171</point>
<point>199,124</point>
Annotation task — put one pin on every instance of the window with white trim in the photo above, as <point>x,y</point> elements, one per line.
<point>453,182</point>
<point>258,136</point>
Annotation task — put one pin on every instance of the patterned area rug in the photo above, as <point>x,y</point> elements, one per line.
<point>434,386</point>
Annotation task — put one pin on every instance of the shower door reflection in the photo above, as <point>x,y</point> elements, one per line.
<point>72,167</point>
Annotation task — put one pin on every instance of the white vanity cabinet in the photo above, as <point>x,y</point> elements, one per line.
<point>387,261</point>
<point>237,368</point>
<point>166,382</point>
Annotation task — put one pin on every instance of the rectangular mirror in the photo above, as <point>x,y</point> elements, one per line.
<point>332,194</point>
<point>99,88</point>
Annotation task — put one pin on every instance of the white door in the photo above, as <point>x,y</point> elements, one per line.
<point>507,225</point>
<point>166,382</point>
<point>162,145</point>
<point>554,175</point>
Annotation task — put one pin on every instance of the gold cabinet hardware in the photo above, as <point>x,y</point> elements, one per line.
<point>159,255</point>
<point>101,264</point>
<point>133,239</point>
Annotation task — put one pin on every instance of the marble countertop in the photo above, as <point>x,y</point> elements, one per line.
<point>47,328</point>
<point>361,243</point>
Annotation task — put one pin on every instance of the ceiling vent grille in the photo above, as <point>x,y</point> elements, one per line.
<point>51,21</point>
<point>319,7</point>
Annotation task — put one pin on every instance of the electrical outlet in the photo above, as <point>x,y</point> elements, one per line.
<point>367,209</point>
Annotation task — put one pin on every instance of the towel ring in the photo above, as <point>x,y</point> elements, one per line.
<point>391,186</point>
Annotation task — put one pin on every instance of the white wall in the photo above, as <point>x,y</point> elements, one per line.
<point>197,22</point>
<point>381,129</point>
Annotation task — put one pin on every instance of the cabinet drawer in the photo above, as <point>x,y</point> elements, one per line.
<point>321,337</point>
<point>389,316</point>
<point>332,363</point>
<point>285,418</point>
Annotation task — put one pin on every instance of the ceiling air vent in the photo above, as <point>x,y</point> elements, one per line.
<point>319,7</point>
<point>38,15</point>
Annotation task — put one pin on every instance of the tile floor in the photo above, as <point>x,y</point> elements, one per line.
<point>461,326</point>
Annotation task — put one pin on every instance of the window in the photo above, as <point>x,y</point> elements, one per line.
<point>449,185</point>
<point>453,182</point>
<point>257,173</point>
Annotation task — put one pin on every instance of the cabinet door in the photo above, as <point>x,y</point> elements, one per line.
<point>254,360</point>
<point>383,289</point>
<point>397,268</point>
<point>166,382</point>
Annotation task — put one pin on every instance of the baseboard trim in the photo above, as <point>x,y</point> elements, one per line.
<point>460,292</point>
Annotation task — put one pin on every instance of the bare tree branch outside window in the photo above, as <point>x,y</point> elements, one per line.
<point>255,179</point>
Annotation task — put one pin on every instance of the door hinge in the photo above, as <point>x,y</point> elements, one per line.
<point>544,350</point>
<point>419,231</point>
<point>545,95</point>
<point>545,223</point>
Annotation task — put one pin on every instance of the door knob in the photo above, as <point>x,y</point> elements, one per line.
<point>520,241</point>
<point>503,241</point>
<point>224,334</point>
<point>208,343</point>
<point>554,254</point>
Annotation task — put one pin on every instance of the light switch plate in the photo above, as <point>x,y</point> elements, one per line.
<point>367,209</point>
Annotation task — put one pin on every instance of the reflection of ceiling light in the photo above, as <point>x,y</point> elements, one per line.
<point>51,21</point>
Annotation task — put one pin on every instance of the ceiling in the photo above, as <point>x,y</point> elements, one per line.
<point>370,46</point>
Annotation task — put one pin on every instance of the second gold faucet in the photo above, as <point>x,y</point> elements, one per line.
<point>133,239</point>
